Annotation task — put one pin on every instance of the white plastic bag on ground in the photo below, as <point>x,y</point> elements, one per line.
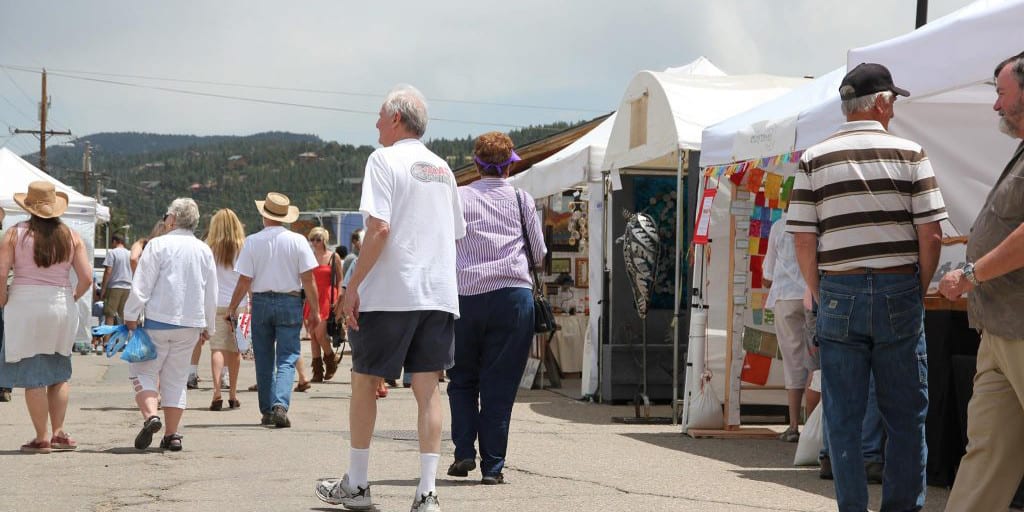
<point>706,408</point>
<point>811,441</point>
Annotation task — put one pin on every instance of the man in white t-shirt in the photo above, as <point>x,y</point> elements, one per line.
<point>276,265</point>
<point>402,299</point>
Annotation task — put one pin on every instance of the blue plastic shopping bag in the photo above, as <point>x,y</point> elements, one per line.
<point>136,344</point>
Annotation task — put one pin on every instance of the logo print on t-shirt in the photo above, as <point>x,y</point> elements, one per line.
<point>427,172</point>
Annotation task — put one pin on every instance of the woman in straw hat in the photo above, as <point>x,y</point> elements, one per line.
<point>176,286</point>
<point>40,307</point>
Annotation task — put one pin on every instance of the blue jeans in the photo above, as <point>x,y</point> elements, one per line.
<point>492,343</point>
<point>871,430</point>
<point>276,317</point>
<point>873,325</point>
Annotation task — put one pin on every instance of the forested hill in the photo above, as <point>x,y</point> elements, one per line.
<point>148,171</point>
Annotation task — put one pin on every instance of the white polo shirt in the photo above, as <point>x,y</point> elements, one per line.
<point>274,258</point>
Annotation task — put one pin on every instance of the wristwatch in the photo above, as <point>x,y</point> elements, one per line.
<point>969,274</point>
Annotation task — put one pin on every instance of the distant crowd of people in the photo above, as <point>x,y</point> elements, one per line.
<point>439,281</point>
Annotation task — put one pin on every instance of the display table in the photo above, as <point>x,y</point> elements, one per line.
<point>567,345</point>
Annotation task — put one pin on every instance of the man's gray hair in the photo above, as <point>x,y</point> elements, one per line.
<point>863,103</point>
<point>186,213</point>
<point>1016,64</point>
<point>408,102</point>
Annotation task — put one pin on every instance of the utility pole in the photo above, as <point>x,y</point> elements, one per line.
<point>87,167</point>
<point>42,133</point>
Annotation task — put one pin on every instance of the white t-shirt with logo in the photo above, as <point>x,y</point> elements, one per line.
<point>274,258</point>
<point>414,191</point>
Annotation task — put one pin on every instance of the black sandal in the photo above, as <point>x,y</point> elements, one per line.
<point>171,442</point>
<point>151,426</point>
<point>217,405</point>
<point>234,404</point>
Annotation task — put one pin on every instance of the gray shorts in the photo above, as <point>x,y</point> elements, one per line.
<point>387,341</point>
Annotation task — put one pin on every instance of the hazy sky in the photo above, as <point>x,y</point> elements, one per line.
<point>577,54</point>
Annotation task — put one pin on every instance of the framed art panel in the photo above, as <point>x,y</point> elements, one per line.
<point>582,275</point>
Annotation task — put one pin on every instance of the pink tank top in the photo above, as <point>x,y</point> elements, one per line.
<point>27,272</point>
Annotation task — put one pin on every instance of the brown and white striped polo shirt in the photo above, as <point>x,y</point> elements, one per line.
<point>862,191</point>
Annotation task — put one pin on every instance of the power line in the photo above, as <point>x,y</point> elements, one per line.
<point>256,100</point>
<point>301,89</point>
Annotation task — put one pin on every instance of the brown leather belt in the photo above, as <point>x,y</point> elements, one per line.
<point>902,269</point>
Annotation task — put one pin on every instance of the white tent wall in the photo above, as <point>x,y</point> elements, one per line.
<point>947,65</point>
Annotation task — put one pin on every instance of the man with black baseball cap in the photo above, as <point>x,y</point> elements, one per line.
<point>868,78</point>
<point>865,215</point>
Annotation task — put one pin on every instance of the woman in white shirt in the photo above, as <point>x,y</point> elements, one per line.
<point>225,239</point>
<point>175,286</point>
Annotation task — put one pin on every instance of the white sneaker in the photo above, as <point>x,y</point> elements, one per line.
<point>338,491</point>
<point>426,503</point>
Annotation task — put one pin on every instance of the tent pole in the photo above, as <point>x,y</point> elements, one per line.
<point>683,162</point>
<point>604,326</point>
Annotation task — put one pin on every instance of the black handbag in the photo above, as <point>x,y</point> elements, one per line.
<point>333,328</point>
<point>543,313</point>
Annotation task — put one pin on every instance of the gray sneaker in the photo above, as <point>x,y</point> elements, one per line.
<point>338,491</point>
<point>426,503</point>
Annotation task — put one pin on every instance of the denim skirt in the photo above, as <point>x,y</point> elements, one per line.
<point>35,372</point>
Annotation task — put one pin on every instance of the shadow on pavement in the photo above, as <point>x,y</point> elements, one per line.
<point>555,405</point>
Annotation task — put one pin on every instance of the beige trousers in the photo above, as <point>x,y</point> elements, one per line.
<point>994,464</point>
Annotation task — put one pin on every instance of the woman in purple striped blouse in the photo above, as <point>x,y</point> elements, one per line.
<point>495,329</point>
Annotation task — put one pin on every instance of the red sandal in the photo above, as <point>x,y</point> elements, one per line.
<point>63,443</point>
<point>34,446</point>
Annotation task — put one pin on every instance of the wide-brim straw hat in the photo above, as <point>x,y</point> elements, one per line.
<point>278,207</point>
<point>42,200</point>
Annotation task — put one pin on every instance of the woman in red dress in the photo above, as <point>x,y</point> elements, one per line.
<point>325,361</point>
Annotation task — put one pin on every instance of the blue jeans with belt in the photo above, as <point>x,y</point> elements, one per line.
<point>276,322</point>
<point>492,343</point>
<point>872,324</point>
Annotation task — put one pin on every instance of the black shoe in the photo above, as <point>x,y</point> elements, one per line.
<point>826,469</point>
<point>874,472</point>
<point>5,395</point>
<point>151,426</point>
<point>171,443</point>
<point>391,383</point>
<point>493,479</point>
<point>193,382</point>
<point>279,416</point>
<point>462,467</point>
<point>266,420</point>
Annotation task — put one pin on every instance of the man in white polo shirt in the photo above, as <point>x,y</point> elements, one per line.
<point>402,300</point>
<point>276,265</point>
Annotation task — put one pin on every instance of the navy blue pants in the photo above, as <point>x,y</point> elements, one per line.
<point>492,343</point>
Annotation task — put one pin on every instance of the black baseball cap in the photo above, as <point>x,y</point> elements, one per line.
<point>868,78</point>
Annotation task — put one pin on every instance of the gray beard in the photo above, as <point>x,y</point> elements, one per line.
<point>1007,127</point>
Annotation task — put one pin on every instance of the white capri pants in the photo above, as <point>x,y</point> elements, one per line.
<point>794,326</point>
<point>168,373</point>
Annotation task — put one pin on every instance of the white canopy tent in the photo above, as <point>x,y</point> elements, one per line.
<point>660,122</point>
<point>82,214</point>
<point>947,66</point>
<point>580,164</point>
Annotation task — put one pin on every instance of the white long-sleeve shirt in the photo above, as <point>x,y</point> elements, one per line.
<point>175,282</point>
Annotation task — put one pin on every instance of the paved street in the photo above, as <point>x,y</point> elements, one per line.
<point>564,455</point>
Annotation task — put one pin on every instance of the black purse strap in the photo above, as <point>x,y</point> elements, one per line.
<point>334,279</point>
<point>529,247</point>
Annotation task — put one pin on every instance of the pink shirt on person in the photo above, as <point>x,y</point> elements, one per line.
<point>26,272</point>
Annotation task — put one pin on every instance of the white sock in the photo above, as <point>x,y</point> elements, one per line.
<point>428,473</point>
<point>194,371</point>
<point>359,467</point>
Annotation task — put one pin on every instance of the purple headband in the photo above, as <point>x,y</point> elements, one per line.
<point>498,168</point>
